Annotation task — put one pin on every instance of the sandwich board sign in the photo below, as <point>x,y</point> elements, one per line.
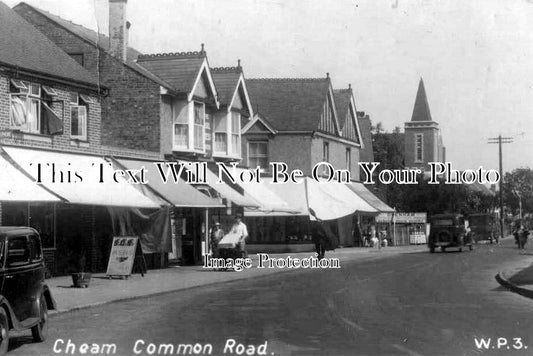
<point>122,256</point>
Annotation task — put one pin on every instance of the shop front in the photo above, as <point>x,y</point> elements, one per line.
<point>403,228</point>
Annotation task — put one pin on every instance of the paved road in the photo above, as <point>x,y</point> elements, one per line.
<point>409,304</point>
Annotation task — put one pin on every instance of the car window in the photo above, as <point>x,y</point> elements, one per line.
<point>1,253</point>
<point>18,252</point>
<point>36,253</point>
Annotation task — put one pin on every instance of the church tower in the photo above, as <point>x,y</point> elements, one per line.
<point>423,142</point>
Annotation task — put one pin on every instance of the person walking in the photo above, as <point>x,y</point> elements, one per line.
<point>239,228</point>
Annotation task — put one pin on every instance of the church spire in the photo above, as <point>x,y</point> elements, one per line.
<point>421,109</point>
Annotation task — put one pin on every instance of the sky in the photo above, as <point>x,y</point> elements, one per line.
<point>475,56</point>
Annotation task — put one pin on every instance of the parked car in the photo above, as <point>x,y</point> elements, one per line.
<point>483,227</point>
<point>24,297</point>
<point>449,230</point>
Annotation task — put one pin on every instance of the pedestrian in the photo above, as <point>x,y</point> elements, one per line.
<point>323,237</point>
<point>239,228</point>
<point>216,235</point>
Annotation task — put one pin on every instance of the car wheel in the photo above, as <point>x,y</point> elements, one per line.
<point>442,249</point>
<point>432,249</point>
<point>460,249</point>
<point>470,247</point>
<point>40,331</point>
<point>4,332</point>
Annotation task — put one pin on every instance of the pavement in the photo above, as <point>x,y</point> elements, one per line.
<point>518,277</point>
<point>103,290</point>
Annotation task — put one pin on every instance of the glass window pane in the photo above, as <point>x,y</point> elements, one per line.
<point>74,121</point>
<point>198,137</point>
<point>17,251</point>
<point>220,123</point>
<point>235,122</point>
<point>74,98</point>
<point>35,89</point>
<point>221,142</point>
<point>34,115</point>
<point>18,110</point>
<point>235,144</point>
<point>198,114</point>
<point>181,135</point>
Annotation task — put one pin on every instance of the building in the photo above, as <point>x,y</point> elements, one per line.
<point>166,104</point>
<point>303,122</point>
<point>423,141</point>
<point>50,116</point>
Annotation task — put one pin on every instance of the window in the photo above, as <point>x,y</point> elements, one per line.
<point>348,159</point>
<point>221,135</point>
<point>235,133</point>
<point>189,126</point>
<point>25,103</point>
<point>78,117</point>
<point>258,154</point>
<point>36,253</point>
<point>199,121</point>
<point>18,252</point>
<point>325,152</point>
<point>419,149</point>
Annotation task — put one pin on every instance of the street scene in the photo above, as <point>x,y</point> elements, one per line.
<point>265,178</point>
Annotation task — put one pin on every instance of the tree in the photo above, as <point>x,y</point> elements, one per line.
<point>517,185</point>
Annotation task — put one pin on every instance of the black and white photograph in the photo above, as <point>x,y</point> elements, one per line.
<point>266,177</point>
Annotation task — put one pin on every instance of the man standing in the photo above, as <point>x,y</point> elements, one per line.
<point>239,228</point>
<point>216,235</point>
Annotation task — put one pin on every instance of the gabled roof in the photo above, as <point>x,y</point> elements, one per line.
<point>182,71</point>
<point>230,83</point>
<point>25,47</point>
<point>421,109</point>
<point>258,118</point>
<point>290,104</point>
<point>92,37</point>
<point>346,110</point>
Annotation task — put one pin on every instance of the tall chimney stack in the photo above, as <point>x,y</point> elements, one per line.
<point>118,29</point>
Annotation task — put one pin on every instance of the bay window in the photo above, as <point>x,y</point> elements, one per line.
<point>235,133</point>
<point>199,122</point>
<point>221,135</point>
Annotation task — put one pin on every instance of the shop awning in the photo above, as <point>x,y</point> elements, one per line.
<point>369,197</point>
<point>292,193</point>
<point>179,194</point>
<point>270,202</point>
<point>16,186</point>
<point>334,200</point>
<point>226,191</point>
<point>79,179</point>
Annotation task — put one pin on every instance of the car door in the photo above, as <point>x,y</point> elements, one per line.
<point>17,273</point>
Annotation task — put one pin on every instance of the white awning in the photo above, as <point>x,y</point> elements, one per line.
<point>334,200</point>
<point>227,191</point>
<point>77,178</point>
<point>16,186</point>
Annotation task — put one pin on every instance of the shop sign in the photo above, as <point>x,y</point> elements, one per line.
<point>402,218</point>
<point>122,256</point>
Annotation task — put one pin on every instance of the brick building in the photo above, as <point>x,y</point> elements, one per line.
<point>50,120</point>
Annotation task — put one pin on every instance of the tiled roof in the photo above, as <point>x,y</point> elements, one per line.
<point>180,70</point>
<point>289,104</point>
<point>342,102</point>
<point>366,154</point>
<point>100,40</point>
<point>421,109</point>
<point>24,46</point>
<point>226,80</point>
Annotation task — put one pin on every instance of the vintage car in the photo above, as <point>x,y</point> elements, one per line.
<point>483,227</point>
<point>448,230</point>
<point>24,297</point>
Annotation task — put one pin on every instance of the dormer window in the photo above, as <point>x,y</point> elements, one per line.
<point>189,126</point>
<point>78,117</point>
<point>227,129</point>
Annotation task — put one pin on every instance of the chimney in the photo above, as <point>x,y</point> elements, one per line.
<point>118,29</point>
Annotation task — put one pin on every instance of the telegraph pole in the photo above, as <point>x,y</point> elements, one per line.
<point>499,140</point>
